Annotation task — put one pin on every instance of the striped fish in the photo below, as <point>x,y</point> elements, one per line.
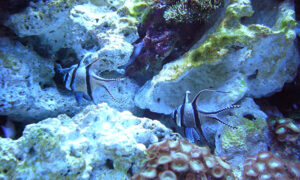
<point>190,117</point>
<point>82,80</point>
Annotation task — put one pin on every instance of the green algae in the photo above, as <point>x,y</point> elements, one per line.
<point>234,138</point>
<point>286,24</point>
<point>137,8</point>
<point>237,138</point>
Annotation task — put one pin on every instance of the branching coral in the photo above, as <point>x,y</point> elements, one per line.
<point>265,166</point>
<point>179,159</point>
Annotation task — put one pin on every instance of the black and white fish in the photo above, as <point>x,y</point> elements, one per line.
<point>189,116</point>
<point>82,80</point>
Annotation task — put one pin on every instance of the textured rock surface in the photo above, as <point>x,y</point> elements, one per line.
<point>250,137</point>
<point>102,30</point>
<point>75,24</point>
<point>27,90</point>
<point>250,52</point>
<point>98,143</point>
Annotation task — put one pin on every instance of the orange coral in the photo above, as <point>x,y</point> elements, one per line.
<point>179,159</point>
<point>285,129</point>
<point>265,166</point>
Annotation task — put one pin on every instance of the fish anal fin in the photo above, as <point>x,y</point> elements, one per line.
<point>106,89</point>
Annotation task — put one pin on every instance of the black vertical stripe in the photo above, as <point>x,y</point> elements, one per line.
<point>73,78</point>
<point>88,83</point>
<point>175,116</point>
<point>182,115</point>
<point>197,119</point>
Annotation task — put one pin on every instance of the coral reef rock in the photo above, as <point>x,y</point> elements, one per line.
<point>27,92</point>
<point>100,29</point>
<point>98,143</point>
<point>250,51</point>
<point>79,25</point>
<point>250,136</point>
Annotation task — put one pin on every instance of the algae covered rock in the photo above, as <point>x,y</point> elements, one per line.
<point>250,136</point>
<point>98,143</point>
<point>244,55</point>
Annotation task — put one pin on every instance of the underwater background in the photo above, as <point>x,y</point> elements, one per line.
<point>149,89</point>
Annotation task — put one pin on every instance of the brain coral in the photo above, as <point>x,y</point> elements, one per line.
<point>179,159</point>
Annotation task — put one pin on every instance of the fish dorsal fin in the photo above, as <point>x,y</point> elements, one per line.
<point>186,98</point>
<point>81,64</point>
<point>203,90</point>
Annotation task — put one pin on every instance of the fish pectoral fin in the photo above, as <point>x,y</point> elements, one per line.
<point>196,134</point>
<point>189,134</point>
<point>87,97</point>
<point>192,134</point>
<point>78,97</point>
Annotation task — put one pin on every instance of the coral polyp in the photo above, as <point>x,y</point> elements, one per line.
<point>179,159</point>
<point>265,165</point>
<point>183,11</point>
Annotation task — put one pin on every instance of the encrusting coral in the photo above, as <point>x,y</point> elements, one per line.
<point>265,166</point>
<point>179,159</point>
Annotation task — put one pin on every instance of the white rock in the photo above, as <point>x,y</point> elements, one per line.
<point>98,143</point>
<point>100,31</point>
<point>28,93</point>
